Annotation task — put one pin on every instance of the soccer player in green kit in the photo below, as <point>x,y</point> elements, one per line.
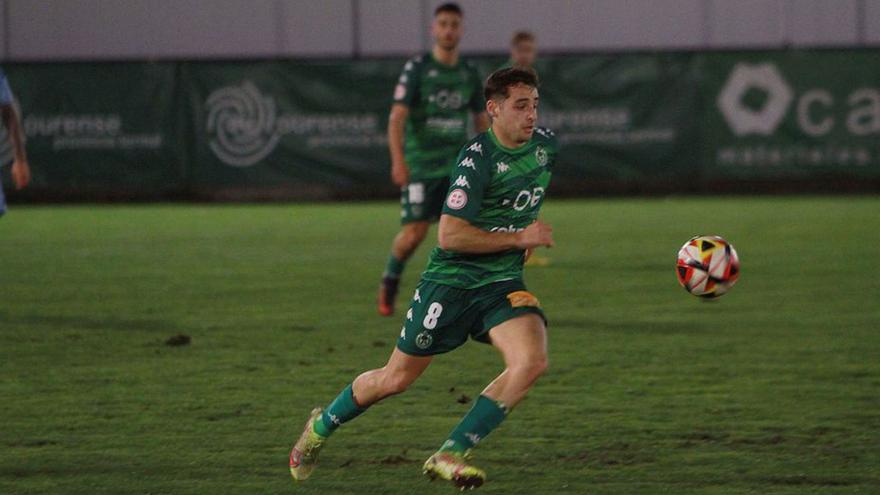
<point>426,128</point>
<point>472,285</point>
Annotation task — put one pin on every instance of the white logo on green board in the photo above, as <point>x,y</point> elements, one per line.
<point>241,124</point>
<point>772,93</point>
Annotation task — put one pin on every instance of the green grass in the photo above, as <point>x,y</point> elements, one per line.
<point>774,388</point>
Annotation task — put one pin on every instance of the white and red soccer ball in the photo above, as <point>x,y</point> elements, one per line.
<point>708,266</point>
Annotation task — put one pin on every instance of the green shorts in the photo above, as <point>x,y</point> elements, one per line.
<point>422,201</point>
<point>440,317</point>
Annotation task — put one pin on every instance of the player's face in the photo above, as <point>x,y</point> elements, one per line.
<point>517,114</point>
<point>523,54</point>
<point>446,30</point>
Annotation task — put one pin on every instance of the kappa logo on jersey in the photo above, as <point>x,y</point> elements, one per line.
<point>462,181</point>
<point>544,132</point>
<point>476,147</point>
<point>409,314</point>
<point>467,162</point>
<point>432,73</point>
<point>457,199</point>
<point>541,156</point>
<point>417,297</point>
<point>502,167</point>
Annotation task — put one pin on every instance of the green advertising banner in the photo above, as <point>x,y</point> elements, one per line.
<point>317,129</point>
<point>791,115</point>
<point>108,129</point>
<point>623,122</point>
<point>307,129</point>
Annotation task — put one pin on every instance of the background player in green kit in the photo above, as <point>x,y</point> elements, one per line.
<point>426,129</point>
<point>472,286</point>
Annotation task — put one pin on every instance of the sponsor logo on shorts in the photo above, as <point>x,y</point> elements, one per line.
<point>424,340</point>
<point>457,199</point>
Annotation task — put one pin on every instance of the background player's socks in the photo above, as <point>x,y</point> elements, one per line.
<point>342,410</point>
<point>394,268</point>
<point>390,283</point>
<point>484,417</point>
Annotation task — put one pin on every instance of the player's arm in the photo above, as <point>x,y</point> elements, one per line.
<point>396,129</point>
<point>21,172</point>
<point>458,235</point>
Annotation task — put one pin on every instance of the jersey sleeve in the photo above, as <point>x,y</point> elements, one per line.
<point>467,183</point>
<point>407,89</point>
<point>5,90</point>
<point>477,104</point>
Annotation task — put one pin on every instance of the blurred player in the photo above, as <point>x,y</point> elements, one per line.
<point>523,50</point>
<point>427,127</point>
<point>473,284</point>
<point>21,172</point>
<point>523,53</point>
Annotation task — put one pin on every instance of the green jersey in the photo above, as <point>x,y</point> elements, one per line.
<point>496,189</point>
<point>439,98</point>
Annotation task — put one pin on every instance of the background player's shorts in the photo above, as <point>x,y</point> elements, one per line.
<point>422,201</point>
<point>441,317</point>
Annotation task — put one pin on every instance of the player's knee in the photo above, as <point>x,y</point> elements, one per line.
<point>396,383</point>
<point>532,367</point>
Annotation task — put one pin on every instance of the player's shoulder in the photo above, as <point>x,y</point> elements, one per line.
<point>545,136</point>
<point>474,154</point>
<point>470,67</point>
<point>416,62</point>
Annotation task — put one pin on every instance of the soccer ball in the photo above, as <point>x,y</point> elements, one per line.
<point>708,266</point>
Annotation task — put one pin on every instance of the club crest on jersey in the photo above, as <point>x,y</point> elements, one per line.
<point>467,162</point>
<point>502,167</point>
<point>476,147</point>
<point>457,199</point>
<point>541,156</point>
<point>424,340</point>
<point>462,181</point>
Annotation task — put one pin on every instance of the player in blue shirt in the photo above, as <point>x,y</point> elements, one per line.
<point>21,172</point>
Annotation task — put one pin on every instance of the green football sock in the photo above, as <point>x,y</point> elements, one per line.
<point>342,410</point>
<point>484,417</point>
<point>394,268</point>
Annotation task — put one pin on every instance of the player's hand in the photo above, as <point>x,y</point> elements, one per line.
<point>536,234</point>
<point>21,173</point>
<point>399,174</point>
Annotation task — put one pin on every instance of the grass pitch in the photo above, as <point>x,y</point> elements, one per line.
<point>773,389</point>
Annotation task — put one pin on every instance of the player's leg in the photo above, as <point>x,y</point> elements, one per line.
<point>404,245</point>
<point>367,389</point>
<point>523,344</point>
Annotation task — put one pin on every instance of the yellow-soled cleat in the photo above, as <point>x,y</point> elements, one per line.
<point>304,456</point>
<point>454,467</point>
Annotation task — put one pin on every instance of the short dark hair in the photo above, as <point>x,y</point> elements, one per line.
<point>520,36</point>
<point>499,83</point>
<point>451,7</point>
